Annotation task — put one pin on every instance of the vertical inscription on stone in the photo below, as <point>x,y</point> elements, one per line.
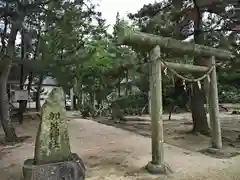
<point>52,141</point>
<point>54,129</point>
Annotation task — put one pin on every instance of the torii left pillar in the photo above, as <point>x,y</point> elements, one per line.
<point>156,166</point>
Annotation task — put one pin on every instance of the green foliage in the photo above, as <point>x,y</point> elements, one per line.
<point>69,42</point>
<point>132,101</point>
<point>229,94</point>
<point>167,18</point>
<point>64,46</point>
<point>229,82</point>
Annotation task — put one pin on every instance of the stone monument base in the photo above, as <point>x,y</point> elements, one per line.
<point>68,170</point>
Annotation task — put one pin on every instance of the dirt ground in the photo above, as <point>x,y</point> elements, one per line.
<point>176,130</point>
<point>116,154</point>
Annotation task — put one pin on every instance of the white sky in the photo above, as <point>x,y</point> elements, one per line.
<point>109,8</point>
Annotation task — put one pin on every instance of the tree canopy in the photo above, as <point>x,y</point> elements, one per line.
<point>69,40</point>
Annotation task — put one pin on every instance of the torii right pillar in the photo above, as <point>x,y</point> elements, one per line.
<point>214,107</point>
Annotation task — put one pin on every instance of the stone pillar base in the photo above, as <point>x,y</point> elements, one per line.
<point>68,170</point>
<point>220,153</point>
<point>158,169</point>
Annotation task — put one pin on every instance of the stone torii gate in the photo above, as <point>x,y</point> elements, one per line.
<point>152,43</point>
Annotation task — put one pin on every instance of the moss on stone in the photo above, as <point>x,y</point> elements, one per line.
<point>52,141</point>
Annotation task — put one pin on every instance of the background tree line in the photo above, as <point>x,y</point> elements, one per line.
<point>69,41</point>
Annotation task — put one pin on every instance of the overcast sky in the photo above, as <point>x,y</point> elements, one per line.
<point>109,8</point>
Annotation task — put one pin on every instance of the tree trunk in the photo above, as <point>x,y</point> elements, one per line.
<point>10,134</point>
<point>74,102</point>
<point>200,123</point>
<point>127,83</point>
<point>119,87</point>
<point>76,90</point>
<point>92,98</point>
<point>80,97</point>
<point>22,103</point>
<point>76,95</point>
<point>39,87</point>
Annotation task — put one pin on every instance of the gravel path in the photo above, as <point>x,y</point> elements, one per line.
<point>115,154</point>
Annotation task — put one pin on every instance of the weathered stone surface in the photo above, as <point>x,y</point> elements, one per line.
<point>52,141</point>
<point>158,168</point>
<point>68,170</point>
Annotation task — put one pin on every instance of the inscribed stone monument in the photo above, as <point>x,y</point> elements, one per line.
<point>53,159</point>
<point>52,141</point>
